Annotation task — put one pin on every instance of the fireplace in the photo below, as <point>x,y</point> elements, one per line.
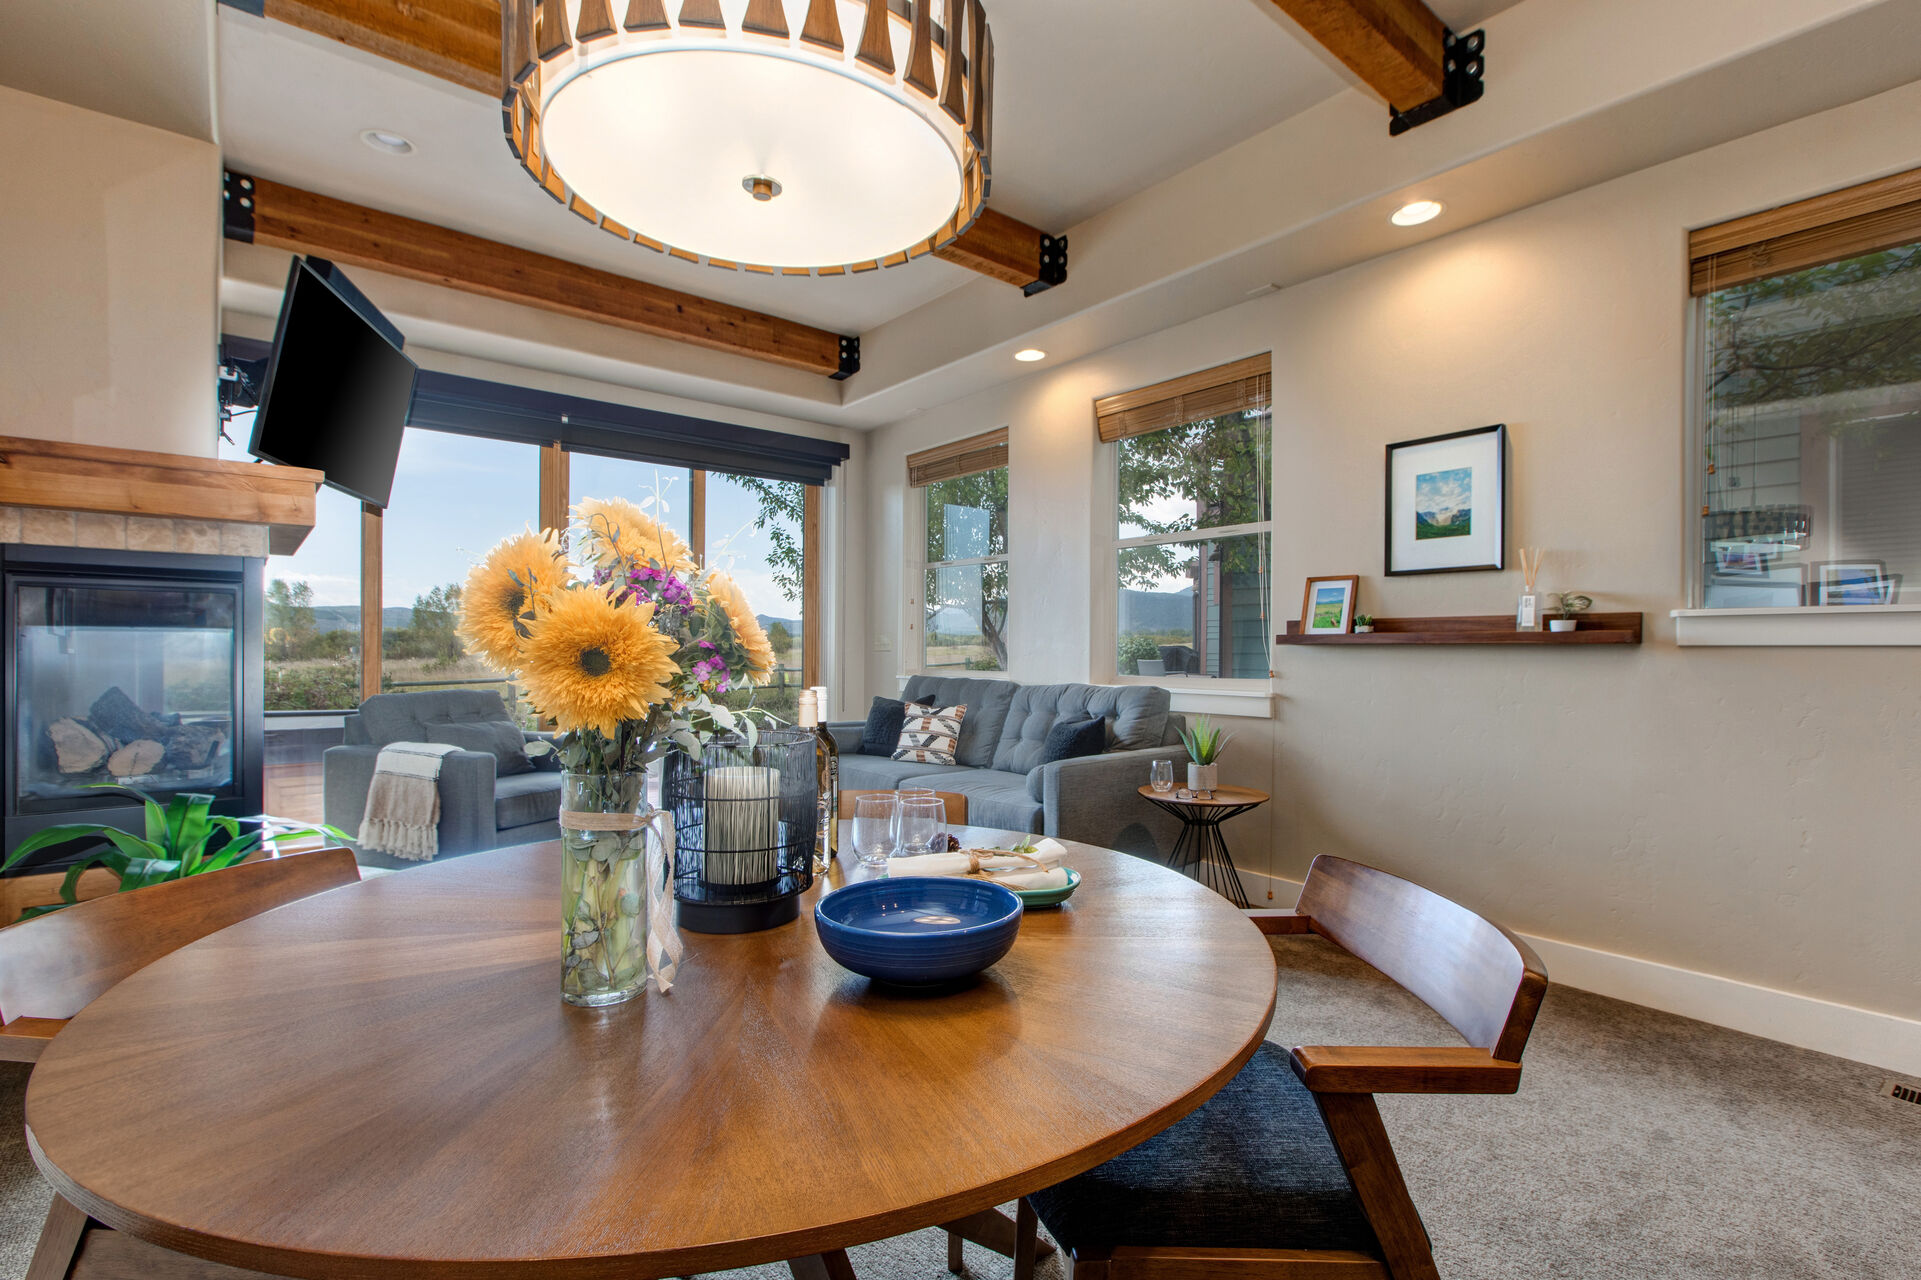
<point>124,667</point>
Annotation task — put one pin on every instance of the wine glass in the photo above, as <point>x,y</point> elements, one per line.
<point>903,795</point>
<point>875,835</point>
<point>1162,777</point>
<point>923,825</point>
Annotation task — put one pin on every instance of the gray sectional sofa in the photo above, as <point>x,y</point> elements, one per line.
<point>1094,799</point>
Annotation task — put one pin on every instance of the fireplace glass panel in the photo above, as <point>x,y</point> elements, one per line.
<point>126,684</point>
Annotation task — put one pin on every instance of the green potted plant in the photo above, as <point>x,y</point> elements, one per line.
<point>182,839</point>
<point>1363,624</point>
<point>1204,743</point>
<point>1570,605</point>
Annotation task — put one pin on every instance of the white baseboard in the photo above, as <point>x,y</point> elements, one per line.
<point>1880,1039</point>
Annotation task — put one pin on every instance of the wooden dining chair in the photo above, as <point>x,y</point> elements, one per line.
<point>53,966</point>
<point>956,804</point>
<point>1287,1173</point>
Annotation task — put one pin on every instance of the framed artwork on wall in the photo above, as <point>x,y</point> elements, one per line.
<point>1447,502</point>
<point>1327,606</point>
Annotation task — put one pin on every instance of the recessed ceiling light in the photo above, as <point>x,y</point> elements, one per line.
<point>388,141</point>
<point>1415,212</point>
<point>1030,355</point>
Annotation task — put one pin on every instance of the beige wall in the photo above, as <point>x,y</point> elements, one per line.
<point>1741,813</point>
<point>110,275</point>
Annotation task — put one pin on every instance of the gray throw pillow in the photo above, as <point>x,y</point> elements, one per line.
<point>500,738</point>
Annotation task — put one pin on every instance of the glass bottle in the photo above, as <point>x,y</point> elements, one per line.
<point>827,779</point>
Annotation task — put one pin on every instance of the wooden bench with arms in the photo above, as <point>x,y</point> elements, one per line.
<point>1300,1180</point>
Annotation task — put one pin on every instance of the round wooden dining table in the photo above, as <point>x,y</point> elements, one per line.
<point>382,1080</point>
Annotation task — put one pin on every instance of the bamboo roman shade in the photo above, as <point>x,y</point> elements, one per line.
<point>960,458</point>
<point>1211,393</point>
<point>1841,224</point>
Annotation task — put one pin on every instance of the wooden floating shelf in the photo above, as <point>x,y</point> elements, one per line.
<point>1494,628</point>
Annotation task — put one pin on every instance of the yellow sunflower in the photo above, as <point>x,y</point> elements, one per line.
<point>619,530</point>
<point>590,663</point>
<point>747,631</point>
<point>517,576</point>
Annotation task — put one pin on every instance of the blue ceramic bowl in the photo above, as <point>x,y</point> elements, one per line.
<point>918,930</point>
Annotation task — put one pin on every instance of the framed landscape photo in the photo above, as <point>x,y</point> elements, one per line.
<point>1447,502</point>
<point>1853,582</point>
<point>1327,606</point>
<point>1777,586</point>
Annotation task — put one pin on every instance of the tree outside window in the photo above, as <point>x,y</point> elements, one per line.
<point>966,587</point>
<point>1192,566</point>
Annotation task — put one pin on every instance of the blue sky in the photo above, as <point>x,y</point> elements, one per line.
<point>454,497</point>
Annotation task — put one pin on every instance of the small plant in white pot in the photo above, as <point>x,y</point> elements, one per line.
<point>1570,606</point>
<point>1363,623</point>
<point>1204,743</point>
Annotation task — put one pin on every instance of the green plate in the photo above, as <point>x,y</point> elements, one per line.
<point>1049,897</point>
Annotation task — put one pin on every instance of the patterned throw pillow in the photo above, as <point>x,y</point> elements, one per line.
<point>930,735</point>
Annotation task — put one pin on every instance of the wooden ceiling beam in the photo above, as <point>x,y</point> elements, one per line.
<point>1394,46</point>
<point>285,217</point>
<point>459,40</point>
<point>1009,250</point>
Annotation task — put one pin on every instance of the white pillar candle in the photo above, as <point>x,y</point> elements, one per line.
<point>742,824</point>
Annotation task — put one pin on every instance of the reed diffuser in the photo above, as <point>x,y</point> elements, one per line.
<point>1527,617</point>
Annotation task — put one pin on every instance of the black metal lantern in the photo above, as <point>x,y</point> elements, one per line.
<point>744,830</point>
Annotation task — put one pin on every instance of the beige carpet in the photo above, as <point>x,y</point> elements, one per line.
<point>1641,1147</point>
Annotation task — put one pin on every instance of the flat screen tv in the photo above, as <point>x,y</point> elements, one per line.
<point>337,391</point>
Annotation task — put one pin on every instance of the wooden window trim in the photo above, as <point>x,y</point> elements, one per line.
<point>984,452</point>
<point>810,586</point>
<point>1865,218</point>
<point>1210,393</point>
<point>371,616</point>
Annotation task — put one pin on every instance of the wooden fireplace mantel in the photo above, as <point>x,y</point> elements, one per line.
<point>133,482</point>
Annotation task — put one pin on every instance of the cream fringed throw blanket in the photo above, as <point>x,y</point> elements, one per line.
<point>403,804</point>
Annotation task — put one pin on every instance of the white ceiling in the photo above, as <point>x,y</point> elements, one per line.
<point>1095,100</point>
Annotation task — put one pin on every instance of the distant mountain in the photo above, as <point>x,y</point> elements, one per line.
<point>767,622</point>
<point>1158,611</point>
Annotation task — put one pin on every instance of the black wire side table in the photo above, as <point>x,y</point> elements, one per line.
<point>1201,852</point>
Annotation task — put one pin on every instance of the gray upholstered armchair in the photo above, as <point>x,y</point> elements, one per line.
<point>491,793</point>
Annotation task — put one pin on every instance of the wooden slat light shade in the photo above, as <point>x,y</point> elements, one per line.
<point>1827,228</point>
<point>959,458</point>
<point>1211,393</point>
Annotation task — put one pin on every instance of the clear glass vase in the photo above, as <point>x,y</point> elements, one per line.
<point>616,857</point>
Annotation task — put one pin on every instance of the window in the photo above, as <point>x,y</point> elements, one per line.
<point>965,602</point>
<point>1810,421</point>
<point>454,497</point>
<point>755,534</point>
<point>313,604</point>
<point>1193,463</point>
<point>665,493</point>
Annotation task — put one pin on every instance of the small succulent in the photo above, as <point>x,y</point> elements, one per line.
<point>1573,602</point>
<point>1363,619</point>
<point>1205,741</point>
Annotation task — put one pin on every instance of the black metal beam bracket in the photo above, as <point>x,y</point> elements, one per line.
<point>849,359</point>
<point>1053,266</point>
<point>1464,60</point>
